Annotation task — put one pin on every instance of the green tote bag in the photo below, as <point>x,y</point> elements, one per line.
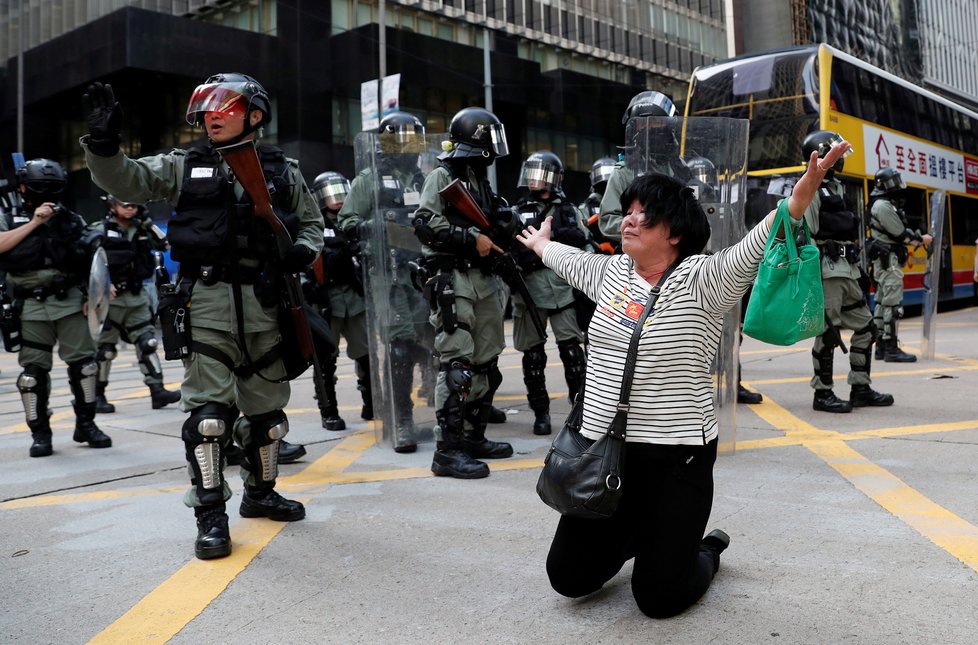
<point>787,303</point>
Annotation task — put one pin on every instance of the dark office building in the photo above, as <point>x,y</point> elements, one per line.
<point>561,73</point>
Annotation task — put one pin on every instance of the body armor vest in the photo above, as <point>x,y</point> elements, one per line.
<point>337,257</point>
<point>56,244</point>
<point>836,221</point>
<point>211,225</point>
<point>130,261</point>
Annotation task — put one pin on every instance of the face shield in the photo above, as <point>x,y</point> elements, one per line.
<point>332,194</point>
<point>825,146</point>
<point>497,138</point>
<point>404,141</point>
<point>230,99</point>
<point>601,173</point>
<point>539,176</point>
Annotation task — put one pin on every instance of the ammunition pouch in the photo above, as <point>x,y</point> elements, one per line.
<point>440,293</point>
<point>174,313</point>
<point>10,325</point>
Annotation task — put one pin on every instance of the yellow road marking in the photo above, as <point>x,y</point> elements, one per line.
<point>167,609</point>
<point>934,522</point>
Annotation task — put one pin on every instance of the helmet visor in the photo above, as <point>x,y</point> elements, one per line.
<point>229,99</point>
<point>825,146</point>
<point>536,175</point>
<point>601,173</point>
<point>332,194</point>
<point>497,133</point>
<point>892,183</point>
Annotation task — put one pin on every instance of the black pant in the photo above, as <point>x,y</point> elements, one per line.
<point>666,502</point>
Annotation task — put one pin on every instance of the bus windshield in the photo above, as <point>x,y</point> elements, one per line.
<point>778,92</point>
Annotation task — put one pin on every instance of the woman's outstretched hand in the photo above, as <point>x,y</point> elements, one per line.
<point>804,191</point>
<point>536,239</point>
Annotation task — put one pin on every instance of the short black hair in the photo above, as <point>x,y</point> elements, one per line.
<point>667,200</point>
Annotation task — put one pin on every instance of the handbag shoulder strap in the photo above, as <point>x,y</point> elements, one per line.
<point>617,428</point>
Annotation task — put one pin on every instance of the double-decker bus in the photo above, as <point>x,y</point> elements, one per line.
<point>931,140</point>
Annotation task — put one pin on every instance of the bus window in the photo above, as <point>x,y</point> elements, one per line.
<point>964,220</point>
<point>915,209</point>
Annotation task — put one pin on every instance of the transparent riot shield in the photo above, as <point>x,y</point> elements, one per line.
<point>932,278</point>
<point>399,334</point>
<point>710,156</point>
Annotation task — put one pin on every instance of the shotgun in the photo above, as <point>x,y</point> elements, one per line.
<point>504,265</point>
<point>243,160</point>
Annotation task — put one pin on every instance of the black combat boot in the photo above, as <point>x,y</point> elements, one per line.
<point>746,396</point>
<point>81,380</point>
<point>363,384</point>
<point>402,358</point>
<point>861,396</point>
<point>41,446</point>
<point>162,397</point>
<point>213,537</point>
<point>450,460</point>
<point>893,353</point>
<point>289,453</point>
<point>102,405</point>
<point>474,441</point>
<point>265,502</point>
<point>827,401</point>
<point>328,413</point>
<point>496,415</point>
<point>880,352</point>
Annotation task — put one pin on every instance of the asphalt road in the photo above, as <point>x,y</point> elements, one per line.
<point>857,528</point>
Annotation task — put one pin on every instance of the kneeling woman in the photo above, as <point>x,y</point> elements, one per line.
<point>672,426</point>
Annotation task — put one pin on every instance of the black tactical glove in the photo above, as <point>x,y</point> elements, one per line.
<point>298,258</point>
<point>104,116</point>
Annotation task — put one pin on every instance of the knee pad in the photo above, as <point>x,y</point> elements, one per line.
<point>205,434</point>
<point>81,378</point>
<point>265,432</point>
<point>534,365</point>
<point>458,378</point>
<point>33,386</point>
<point>898,312</point>
<point>147,343</point>
<point>106,352</point>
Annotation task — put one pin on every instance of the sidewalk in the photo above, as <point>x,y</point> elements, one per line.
<point>858,528</point>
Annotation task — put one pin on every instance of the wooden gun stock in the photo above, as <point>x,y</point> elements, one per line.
<point>243,160</point>
<point>459,196</point>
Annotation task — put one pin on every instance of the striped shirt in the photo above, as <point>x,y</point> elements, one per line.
<point>672,391</point>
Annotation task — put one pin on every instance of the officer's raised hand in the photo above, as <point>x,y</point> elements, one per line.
<point>104,116</point>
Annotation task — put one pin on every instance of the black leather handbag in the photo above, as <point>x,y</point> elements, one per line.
<point>581,477</point>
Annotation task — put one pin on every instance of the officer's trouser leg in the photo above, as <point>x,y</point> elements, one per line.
<point>35,388</point>
<point>535,379</point>
<point>402,356</point>
<point>260,435</point>
<point>82,379</point>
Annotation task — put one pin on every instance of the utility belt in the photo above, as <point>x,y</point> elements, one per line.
<point>876,250</point>
<point>447,263</point>
<point>210,274</point>
<point>835,251</point>
<point>133,287</point>
<point>59,289</point>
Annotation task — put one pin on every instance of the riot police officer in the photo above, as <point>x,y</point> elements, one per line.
<point>46,251</point>
<point>397,189</point>
<point>230,265</point>
<point>336,283</point>
<point>600,173</point>
<point>467,308</point>
<point>542,174</point>
<point>664,157</point>
<point>888,252</point>
<point>131,242</point>
<point>836,231</point>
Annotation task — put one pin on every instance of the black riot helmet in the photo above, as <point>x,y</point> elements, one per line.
<point>42,180</point>
<point>330,189</point>
<point>542,172</point>
<point>601,172</point>
<point>821,141</point>
<point>704,177</point>
<point>649,103</point>
<point>135,208</point>
<point>401,132</point>
<point>888,181</point>
<point>475,133</point>
<point>226,93</point>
